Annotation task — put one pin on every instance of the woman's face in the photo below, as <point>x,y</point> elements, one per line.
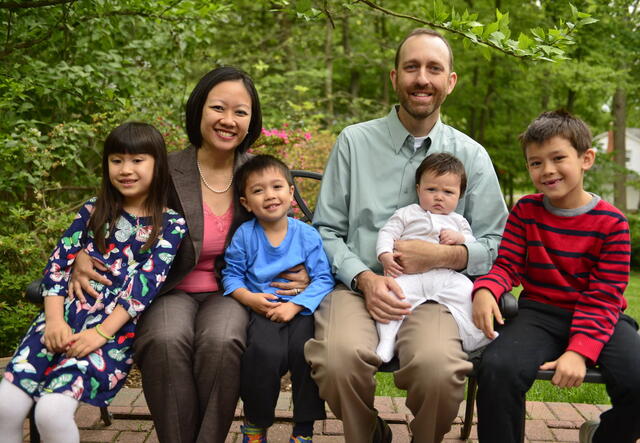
<point>226,116</point>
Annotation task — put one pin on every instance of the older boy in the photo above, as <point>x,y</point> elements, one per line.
<point>570,250</point>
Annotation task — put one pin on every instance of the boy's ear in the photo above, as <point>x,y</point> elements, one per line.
<point>243,202</point>
<point>291,190</point>
<point>588,159</point>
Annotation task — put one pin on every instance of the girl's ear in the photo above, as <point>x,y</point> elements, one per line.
<point>243,202</point>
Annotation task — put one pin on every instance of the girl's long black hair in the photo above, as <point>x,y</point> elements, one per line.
<point>131,138</point>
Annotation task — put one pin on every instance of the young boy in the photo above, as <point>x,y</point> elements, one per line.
<point>279,326</point>
<point>440,182</point>
<point>570,250</point>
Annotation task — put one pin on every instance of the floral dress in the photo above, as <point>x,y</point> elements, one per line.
<point>136,275</point>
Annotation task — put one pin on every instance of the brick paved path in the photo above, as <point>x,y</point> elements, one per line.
<point>556,422</point>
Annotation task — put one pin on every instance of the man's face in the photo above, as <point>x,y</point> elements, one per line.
<point>423,79</point>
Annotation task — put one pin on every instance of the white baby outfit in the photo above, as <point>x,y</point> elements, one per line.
<point>445,286</point>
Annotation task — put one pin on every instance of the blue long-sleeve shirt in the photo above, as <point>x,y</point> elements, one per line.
<point>253,263</point>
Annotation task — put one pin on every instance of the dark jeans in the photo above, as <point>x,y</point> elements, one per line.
<point>539,334</point>
<point>272,349</point>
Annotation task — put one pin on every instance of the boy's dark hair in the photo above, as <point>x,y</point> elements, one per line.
<point>198,97</point>
<point>424,31</point>
<point>131,138</point>
<point>441,164</point>
<point>254,164</point>
<point>558,123</point>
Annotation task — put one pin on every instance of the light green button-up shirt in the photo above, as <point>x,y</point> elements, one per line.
<point>371,173</point>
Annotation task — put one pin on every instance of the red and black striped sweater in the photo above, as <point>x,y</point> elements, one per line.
<point>576,261</point>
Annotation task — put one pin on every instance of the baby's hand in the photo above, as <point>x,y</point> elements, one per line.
<point>56,335</point>
<point>391,267</point>
<point>451,237</point>
<point>284,312</point>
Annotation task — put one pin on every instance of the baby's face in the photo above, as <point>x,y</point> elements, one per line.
<point>438,193</point>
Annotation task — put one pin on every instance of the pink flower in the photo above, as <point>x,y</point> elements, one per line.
<point>307,136</point>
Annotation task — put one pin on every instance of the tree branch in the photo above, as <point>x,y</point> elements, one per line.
<point>433,25</point>
<point>27,5</point>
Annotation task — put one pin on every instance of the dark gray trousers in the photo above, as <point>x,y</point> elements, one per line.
<point>189,348</point>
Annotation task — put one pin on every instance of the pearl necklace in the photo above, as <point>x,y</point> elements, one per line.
<point>207,184</point>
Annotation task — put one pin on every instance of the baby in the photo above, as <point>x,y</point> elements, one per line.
<point>440,182</point>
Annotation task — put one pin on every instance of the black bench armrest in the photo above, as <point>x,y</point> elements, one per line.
<point>33,293</point>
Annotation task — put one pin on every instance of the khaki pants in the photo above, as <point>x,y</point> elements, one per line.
<point>433,366</point>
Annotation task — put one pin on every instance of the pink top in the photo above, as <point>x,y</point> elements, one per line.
<point>202,278</point>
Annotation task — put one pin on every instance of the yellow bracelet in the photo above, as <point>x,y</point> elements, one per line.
<point>102,334</point>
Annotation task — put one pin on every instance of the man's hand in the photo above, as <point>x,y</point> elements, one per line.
<point>84,343</point>
<point>284,312</point>
<point>81,275</point>
<point>451,237</point>
<point>298,281</point>
<point>570,370</point>
<point>383,297</point>
<point>390,266</point>
<point>56,335</point>
<point>416,256</point>
<point>485,309</point>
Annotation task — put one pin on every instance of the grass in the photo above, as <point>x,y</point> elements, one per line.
<point>544,390</point>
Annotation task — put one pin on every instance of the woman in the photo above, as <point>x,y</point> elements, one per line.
<point>190,340</point>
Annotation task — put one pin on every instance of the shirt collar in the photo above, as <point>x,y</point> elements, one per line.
<point>399,133</point>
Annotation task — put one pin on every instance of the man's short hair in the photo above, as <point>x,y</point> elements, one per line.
<point>559,123</point>
<point>425,31</point>
<point>441,164</point>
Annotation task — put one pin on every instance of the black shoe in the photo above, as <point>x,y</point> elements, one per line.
<point>383,433</point>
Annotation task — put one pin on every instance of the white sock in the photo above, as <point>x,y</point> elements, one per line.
<point>15,405</point>
<point>385,349</point>
<point>55,418</point>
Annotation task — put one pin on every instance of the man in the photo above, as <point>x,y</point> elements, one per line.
<point>369,175</point>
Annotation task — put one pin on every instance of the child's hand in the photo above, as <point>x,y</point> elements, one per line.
<point>570,370</point>
<point>391,267</point>
<point>84,343</point>
<point>56,335</point>
<point>451,237</point>
<point>259,302</point>
<point>485,309</point>
<point>284,312</point>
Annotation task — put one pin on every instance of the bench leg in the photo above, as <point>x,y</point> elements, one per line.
<point>472,387</point>
<point>34,435</point>
<point>105,415</point>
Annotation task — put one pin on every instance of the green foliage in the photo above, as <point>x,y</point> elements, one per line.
<point>14,320</point>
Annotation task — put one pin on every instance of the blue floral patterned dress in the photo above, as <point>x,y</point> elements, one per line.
<point>136,276</point>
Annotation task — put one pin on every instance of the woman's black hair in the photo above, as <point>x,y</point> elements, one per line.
<point>131,138</point>
<point>198,97</point>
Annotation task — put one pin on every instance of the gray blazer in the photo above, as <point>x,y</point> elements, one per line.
<point>185,197</point>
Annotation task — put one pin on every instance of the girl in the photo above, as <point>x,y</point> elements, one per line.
<point>259,251</point>
<point>81,351</point>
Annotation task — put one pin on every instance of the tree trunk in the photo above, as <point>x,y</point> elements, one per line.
<point>619,147</point>
<point>328,57</point>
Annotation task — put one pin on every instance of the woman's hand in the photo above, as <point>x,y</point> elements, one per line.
<point>56,335</point>
<point>82,272</point>
<point>298,281</point>
<point>84,343</point>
